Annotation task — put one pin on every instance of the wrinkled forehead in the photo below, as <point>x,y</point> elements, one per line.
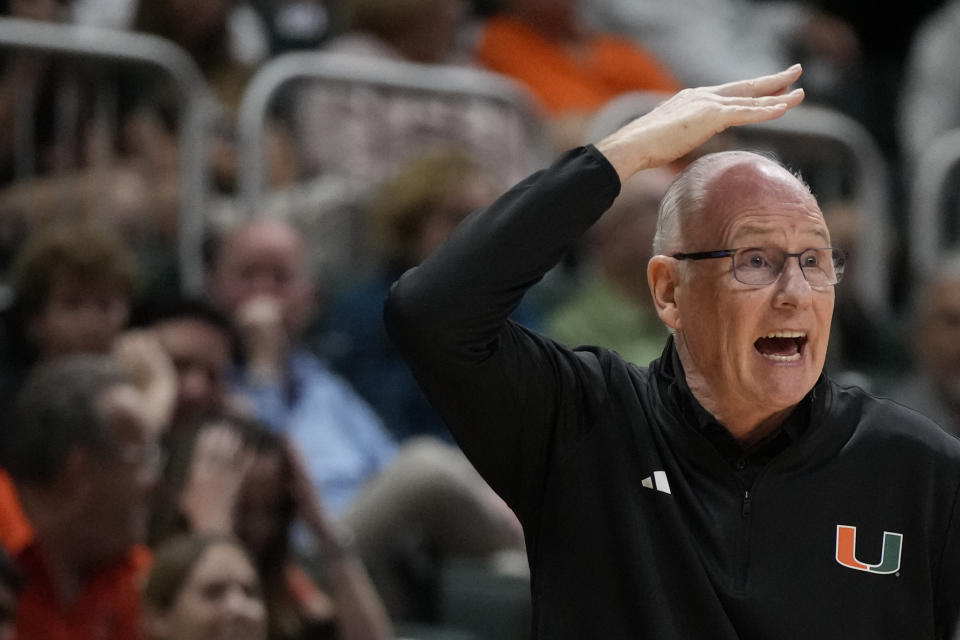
<point>757,187</point>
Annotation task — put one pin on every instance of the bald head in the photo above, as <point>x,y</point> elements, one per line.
<point>264,257</point>
<point>723,325</point>
<point>261,233</point>
<point>717,182</point>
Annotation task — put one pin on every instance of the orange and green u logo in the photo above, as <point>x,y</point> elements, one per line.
<point>847,556</point>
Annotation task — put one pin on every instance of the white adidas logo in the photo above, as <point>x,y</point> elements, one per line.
<point>657,481</point>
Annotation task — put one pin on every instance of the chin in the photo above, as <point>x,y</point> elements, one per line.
<point>788,393</point>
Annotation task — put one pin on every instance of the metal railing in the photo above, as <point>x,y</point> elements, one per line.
<point>822,131</point>
<point>117,46</point>
<point>321,67</point>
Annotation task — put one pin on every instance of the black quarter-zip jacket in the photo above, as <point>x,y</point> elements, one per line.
<point>643,518</point>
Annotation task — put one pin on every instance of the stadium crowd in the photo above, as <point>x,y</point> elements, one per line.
<point>253,459</point>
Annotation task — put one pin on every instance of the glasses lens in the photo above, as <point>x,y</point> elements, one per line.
<point>757,266</point>
<point>822,267</point>
<point>839,262</point>
<point>762,266</point>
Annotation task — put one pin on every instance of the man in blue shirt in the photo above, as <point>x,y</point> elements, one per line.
<point>262,278</point>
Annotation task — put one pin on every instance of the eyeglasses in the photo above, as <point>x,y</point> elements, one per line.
<point>763,265</point>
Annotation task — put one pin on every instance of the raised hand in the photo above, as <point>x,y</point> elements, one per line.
<point>218,465</point>
<point>140,353</point>
<point>691,117</point>
<point>264,338</point>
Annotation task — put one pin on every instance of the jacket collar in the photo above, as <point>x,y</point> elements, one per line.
<point>676,395</point>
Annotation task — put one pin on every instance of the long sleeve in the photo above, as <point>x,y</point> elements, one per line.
<point>510,397</point>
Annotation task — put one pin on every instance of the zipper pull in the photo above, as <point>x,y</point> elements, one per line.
<point>746,508</point>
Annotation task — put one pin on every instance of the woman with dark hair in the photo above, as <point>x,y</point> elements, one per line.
<point>237,476</point>
<point>203,587</point>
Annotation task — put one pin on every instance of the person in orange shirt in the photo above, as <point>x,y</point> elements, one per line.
<point>571,70</point>
<point>83,458</point>
<point>15,531</point>
<point>9,588</point>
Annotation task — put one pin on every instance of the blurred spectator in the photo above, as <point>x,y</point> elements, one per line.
<point>365,133</point>
<point>571,69</point>
<point>933,387</point>
<point>870,91</point>
<point>10,584</point>
<point>203,587</point>
<point>411,215</point>
<point>930,101</point>
<point>709,42</point>
<point>262,279</point>
<point>226,60</point>
<point>83,461</point>
<point>73,286</point>
<point>237,476</point>
<point>299,24</point>
<point>34,92</point>
<point>420,31</point>
<point>62,151</point>
<point>205,33</point>
<point>612,306</point>
<point>198,339</point>
<point>246,35</point>
<point>866,348</point>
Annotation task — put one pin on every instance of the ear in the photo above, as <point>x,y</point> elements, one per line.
<point>662,277</point>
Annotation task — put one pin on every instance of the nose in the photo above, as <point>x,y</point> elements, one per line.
<point>792,286</point>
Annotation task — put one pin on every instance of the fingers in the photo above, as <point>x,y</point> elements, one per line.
<point>789,99</point>
<point>762,86</point>
<point>692,116</point>
<point>741,110</point>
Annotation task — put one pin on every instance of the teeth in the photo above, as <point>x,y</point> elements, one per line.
<point>785,334</point>
<point>790,358</point>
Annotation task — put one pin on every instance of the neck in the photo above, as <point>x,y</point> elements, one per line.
<point>59,546</point>
<point>747,422</point>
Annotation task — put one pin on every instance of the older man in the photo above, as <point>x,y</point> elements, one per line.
<point>729,490</point>
<point>388,493</point>
<point>83,457</point>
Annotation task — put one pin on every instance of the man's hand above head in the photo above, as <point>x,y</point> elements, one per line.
<point>691,117</point>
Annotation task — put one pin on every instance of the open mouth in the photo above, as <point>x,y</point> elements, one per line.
<point>781,346</point>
